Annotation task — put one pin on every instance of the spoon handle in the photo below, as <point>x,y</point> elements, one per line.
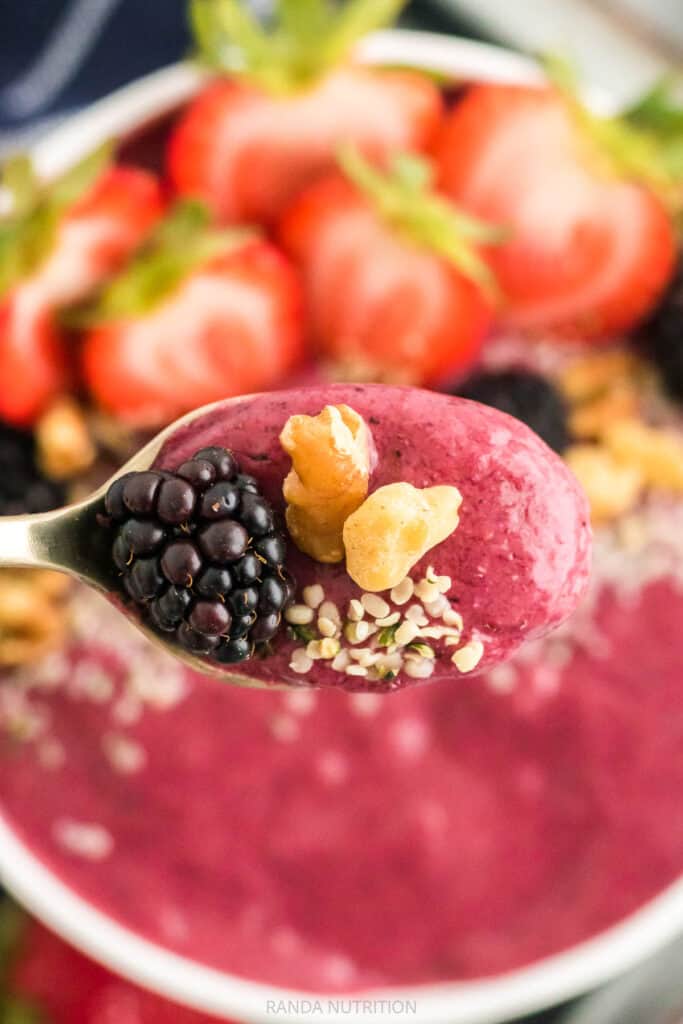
<point>27,541</point>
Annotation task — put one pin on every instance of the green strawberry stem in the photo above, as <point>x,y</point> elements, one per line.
<point>180,244</point>
<point>404,198</point>
<point>660,111</point>
<point>644,144</point>
<point>29,231</point>
<point>303,40</point>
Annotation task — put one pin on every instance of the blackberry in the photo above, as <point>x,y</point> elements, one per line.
<point>247,570</point>
<point>265,627</point>
<point>247,483</point>
<point>176,501</point>
<point>241,625</point>
<point>23,488</point>
<point>214,582</point>
<point>211,618</point>
<point>257,515</point>
<point>181,562</point>
<point>196,643</point>
<point>661,336</point>
<point>222,460</point>
<point>168,611</point>
<point>199,555</point>
<point>273,595</point>
<point>236,650</point>
<point>147,578</point>
<point>220,501</point>
<point>113,502</point>
<point>141,537</point>
<point>246,600</point>
<point>528,396</point>
<point>140,491</point>
<point>225,541</point>
<point>272,549</point>
<point>198,472</point>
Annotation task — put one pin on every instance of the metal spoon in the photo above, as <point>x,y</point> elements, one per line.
<point>70,540</point>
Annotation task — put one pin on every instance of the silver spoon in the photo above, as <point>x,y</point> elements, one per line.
<point>70,540</point>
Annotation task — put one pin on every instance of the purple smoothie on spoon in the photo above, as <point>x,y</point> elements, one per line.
<point>248,578</point>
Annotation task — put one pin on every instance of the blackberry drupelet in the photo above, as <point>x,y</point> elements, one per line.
<point>528,397</point>
<point>199,554</point>
<point>23,488</point>
<point>662,336</point>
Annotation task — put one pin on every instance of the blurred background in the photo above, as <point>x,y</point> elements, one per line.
<point>56,55</point>
<point>59,55</point>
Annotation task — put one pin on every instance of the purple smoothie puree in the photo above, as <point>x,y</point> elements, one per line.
<point>334,841</point>
<point>519,559</point>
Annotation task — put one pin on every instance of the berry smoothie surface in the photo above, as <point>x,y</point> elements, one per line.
<point>337,842</point>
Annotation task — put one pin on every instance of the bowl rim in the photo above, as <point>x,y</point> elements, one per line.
<point>482,1001</point>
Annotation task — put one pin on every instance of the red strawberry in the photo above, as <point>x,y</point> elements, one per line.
<point>199,317</point>
<point>34,365</point>
<point>246,146</point>
<point>590,249</point>
<point>394,290</point>
<point>55,249</point>
<point>49,976</point>
<point>68,988</point>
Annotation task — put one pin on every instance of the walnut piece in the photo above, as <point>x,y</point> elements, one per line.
<point>394,528</point>
<point>65,447</point>
<point>656,453</point>
<point>612,487</point>
<point>329,478</point>
<point>33,613</point>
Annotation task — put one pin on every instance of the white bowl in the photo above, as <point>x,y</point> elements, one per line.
<point>478,1002</point>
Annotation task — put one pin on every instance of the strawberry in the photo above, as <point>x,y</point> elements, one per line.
<point>57,245</point>
<point>249,143</point>
<point>591,244</point>
<point>197,317</point>
<point>48,976</point>
<point>395,288</point>
<point>51,983</point>
<point>34,363</point>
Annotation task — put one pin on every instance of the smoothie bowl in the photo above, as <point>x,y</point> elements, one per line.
<point>451,855</point>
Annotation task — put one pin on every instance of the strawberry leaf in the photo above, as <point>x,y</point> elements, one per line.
<point>28,233</point>
<point>228,36</point>
<point>660,110</point>
<point>659,113</point>
<point>179,245</point>
<point>300,43</point>
<point>404,198</point>
<point>305,19</point>
<point>357,18</point>
<point>80,178</point>
<point>21,183</point>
